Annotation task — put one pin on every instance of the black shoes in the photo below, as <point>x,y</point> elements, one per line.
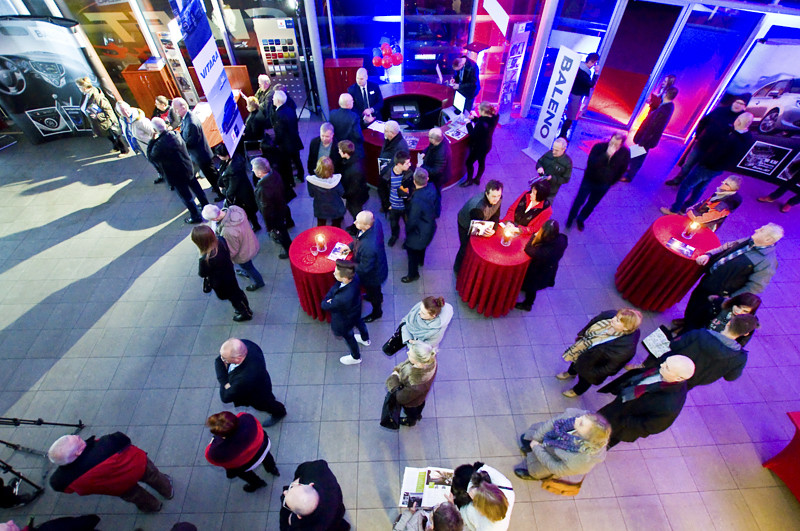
<point>239,317</point>
<point>284,255</point>
<point>252,487</point>
<point>405,421</point>
<point>272,420</point>
<point>407,279</point>
<point>466,183</point>
<point>524,307</point>
<point>253,287</point>
<point>158,180</point>
<point>580,225</point>
<point>192,221</point>
<point>522,473</point>
<point>372,317</point>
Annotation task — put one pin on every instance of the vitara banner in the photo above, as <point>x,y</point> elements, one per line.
<point>205,56</point>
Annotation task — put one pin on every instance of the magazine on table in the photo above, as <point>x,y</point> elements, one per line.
<point>339,252</point>
<point>680,247</point>
<point>480,228</point>
<point>377,126</point>
<point>382,164</point>
<point>657,343</point>
<point>457,133</point>
<point>425,486</point>
<point>637,151</point>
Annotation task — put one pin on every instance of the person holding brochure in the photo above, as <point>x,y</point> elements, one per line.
<point>443,517</point>
<point>482,207</point>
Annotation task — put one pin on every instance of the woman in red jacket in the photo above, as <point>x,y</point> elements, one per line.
<point>239,446</point>
<point>531,209</point>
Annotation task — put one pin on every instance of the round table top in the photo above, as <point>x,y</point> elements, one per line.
<point>300,250</point>
<point>492,250</point>
<point>672,226</point>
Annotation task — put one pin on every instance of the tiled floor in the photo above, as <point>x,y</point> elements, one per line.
<point>103,319</point>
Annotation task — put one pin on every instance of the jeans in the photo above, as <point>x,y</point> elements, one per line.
<point>691,160</point>
<point>590,194</point>
<point>695,184</point>
<point>252,273</point>
<point>350,339</point>
<point>146,502</point>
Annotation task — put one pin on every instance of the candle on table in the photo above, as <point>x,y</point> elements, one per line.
<point>320,242</point>
<point>508,232</point>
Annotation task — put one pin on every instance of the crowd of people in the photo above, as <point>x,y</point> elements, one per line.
<point>706,345</point>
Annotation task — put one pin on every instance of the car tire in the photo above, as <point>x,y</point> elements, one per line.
<point>770,121</point>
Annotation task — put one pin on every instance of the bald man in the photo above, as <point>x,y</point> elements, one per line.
<point>436,159</point>
<point>346,123</point>
<point>369,254</point>
<point>313,500</point>
<point>244,380</point>
<point>648,400</point>
<point>367,98</point>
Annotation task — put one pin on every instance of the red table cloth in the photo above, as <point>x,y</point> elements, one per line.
<point>786,464</point>
<point>313,275</point>
<point>653,276</point>
<point>491,275</point>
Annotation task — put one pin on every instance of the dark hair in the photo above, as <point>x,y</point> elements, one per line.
<point>542,189</point>
<point>446,517</point>
<point>221,151</point>
<point>457,61</point>
<point>461,477</point>
<point>492,185</point>
<point>743,299</point>
<point>401,157</point>
<point>347,147</point>
<point>223,423</point>
<point>592,57</point>
<point>741,325</point>
<point>549,231</point>
<point>671,92</point>
<point>346,268</point>
<point>205,240</point>
<point>434,305</point>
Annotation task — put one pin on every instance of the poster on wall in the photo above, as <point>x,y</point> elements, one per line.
<point>39,62</point>
<point>771,76</point>
<point>206,59</point>
<point>514,63</point>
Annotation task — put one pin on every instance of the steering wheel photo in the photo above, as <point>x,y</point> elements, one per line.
<point>12,82</point>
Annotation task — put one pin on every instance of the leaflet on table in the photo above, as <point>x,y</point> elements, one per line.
<point>412,142</point>
<point>377,126</point>
<point>425,486</point>
<point>339,252</point>
<point>657,343</point>
<point>457,133</point>
<point>480,228</point>
<point>680,247</point>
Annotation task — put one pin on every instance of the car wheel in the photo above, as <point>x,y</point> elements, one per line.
<point>770,122</point>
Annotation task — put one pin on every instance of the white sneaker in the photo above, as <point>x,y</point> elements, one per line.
<point>349,360</point>
<point>361,341</point>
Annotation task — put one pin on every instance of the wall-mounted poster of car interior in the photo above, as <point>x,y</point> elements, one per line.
<point>770,74</point>
<point>39,63</point>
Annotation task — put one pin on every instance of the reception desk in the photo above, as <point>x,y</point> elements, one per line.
<point>373,141</point>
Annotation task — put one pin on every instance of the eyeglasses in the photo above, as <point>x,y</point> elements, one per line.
<point>290,487</point>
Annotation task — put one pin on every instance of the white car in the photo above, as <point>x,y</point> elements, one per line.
<point>776,107</point>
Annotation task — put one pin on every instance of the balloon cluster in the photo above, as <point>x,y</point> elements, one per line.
<point>387,55</point>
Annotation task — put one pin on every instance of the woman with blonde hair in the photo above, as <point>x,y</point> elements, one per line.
<point>103,119</point>
<point>601,349</point>
<point>411,381</point>
<point>326,188</point>
<point>569,444</point>
<point>492,499</point>
<point>256,123</point>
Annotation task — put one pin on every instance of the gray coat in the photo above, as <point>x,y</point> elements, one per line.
<point>545,461</point>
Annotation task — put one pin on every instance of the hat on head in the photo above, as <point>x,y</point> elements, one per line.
<point>211,212</point>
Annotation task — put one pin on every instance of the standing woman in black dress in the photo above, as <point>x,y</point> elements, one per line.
<point>216,268</point>
<point>481,131</point>
<point>545,248</point>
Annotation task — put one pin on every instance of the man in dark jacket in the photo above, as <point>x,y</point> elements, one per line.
<point>423,209</point>
<point>436,158</point>
<point>709,128</point>
<point>168,152</point>
<point>272,204</point>
<point>197,145</point>
<point>314,500</point>
<point>715,354</point>
<point>713,211</point>
<point>584,81</point>
<point>555,166</point>
<point>393,142</point>
<point>287,138</point>
<point>235,184</point>
<point>244,380</point>
<point>367,98</point>
<point>347,124</point>
<point>369,255</point>
<point>741,266</point>
<point>649,133</point>
<point>729,148</point>
<point>356,192</point>
<point>343,300</point>
<point>324,146</point>
<point>466,80</point>
<point>108,465</point>
<point>483,207</point>
<point>648,400</point>
<point>164,110</point>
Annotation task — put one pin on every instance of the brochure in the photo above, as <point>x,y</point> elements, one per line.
<point>680,247</point>
<point>425,486</point>
<point>340,252</point>
<point>480,228</point>
<point>657,343</point>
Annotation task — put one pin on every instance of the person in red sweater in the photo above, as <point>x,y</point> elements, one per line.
<point>239,446</point>
<point>110,465</point>
<point>531,209</point>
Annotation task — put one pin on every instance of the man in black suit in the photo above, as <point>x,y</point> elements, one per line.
<point>369,255</point>
<point>648,400</point>
<point>287,138</point>
<point>272,204</point>
<point>313,501</point>
<point>244,380</point>
<point>346,124</point>
<point>197,145</point>
<point>466,80</point>
<point>343,300</point>
<point>423,209</point>
<point>436,160</point>
<point>324,146</point>
<point>367,98</point>
<point>649,133</point>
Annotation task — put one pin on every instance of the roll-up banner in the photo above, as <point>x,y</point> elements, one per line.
<point>206,59</point>
<point>557,97</point>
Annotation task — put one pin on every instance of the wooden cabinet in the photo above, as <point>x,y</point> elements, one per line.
<point>147,84</point>
<point>339,75</point>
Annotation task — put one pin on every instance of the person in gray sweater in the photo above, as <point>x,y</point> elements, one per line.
<point>569,444</point>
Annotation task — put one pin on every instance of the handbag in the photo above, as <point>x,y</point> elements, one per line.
<point>390,415</point>
<point>394,343</point>
<point>206,285</point>
<point>562,487</point>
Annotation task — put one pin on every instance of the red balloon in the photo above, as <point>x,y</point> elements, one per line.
<point>376,61</point>
<point>397,58</point>
<point>386,49</point>
<point>387,62</point>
